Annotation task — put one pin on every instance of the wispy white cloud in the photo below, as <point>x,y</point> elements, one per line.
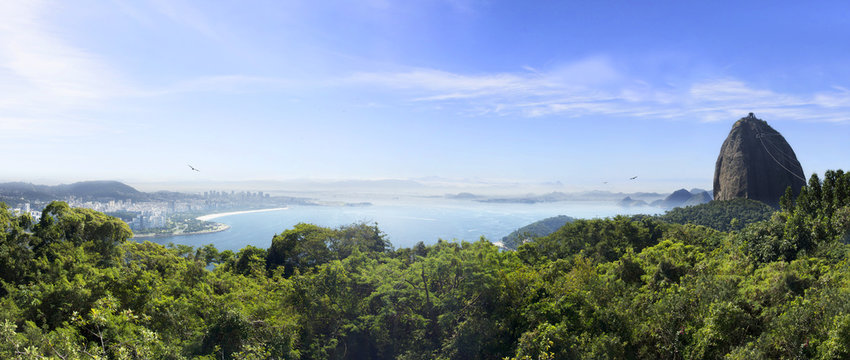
<point>223,84</point>
<point>51,87</point>
<point>838,98</point>
<point>442,81</point>
<point>43,77</point>
<point>579,75</point>
<point>36,56</point>
<point>595,86</point>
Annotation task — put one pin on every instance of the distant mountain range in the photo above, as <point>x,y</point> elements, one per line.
<point>13,193</point>
<point>101,190</point>
<point>85,190</point>
<point>105,190</point>
<point>557,196</point>
<point>679,198</point>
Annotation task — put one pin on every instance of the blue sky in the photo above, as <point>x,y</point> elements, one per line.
<point>530,91</point>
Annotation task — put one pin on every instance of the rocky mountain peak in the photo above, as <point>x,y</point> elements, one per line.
<point>756,162</point>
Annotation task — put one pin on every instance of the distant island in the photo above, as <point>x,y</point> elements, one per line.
<point>678,198</point>
<point>555,196</point>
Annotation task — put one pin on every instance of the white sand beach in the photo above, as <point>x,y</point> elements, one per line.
<point>218,215</point>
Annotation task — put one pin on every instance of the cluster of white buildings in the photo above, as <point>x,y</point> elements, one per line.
<point>155,214</point>
<point>235,196</point>
<point>148,221</point>
<point>149,215</point>
<point>27,209</point>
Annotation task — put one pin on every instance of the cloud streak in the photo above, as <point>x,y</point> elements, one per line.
<point>52,88</point>
<point>595,87</point>
<point>37,59</point>
<point>46,82</point>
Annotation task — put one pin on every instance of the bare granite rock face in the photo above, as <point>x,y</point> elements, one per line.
<point>756,162</point>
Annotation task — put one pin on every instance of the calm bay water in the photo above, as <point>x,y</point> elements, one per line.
<point>405,223</point>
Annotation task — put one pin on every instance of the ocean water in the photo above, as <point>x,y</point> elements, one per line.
<point>405,223</point>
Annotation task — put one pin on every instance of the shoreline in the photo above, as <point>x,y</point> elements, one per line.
<point>218,215</point>
<point>219,228</point>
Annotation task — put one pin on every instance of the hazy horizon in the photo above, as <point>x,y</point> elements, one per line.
<point>383,187</point>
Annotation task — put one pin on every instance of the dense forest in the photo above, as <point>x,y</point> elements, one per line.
<point>74,287</point>
<point>723,215</point>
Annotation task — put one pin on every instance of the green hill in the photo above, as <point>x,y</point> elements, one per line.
<point>86,190</point>
<point>723,215</point>
<point>536,229</point>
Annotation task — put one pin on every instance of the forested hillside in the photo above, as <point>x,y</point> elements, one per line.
<point>534,230</point>
<point>724,215</point>
<point>625,287</point>
<point>86,190</point>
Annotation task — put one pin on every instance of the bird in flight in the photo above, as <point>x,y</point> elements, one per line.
<point>633,177</point>
<point>193,168</point>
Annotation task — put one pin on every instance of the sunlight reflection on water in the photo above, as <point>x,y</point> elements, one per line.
<point>405,223</point>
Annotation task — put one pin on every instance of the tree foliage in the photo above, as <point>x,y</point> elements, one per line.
<point>723,215</point>
<point>535,230</point>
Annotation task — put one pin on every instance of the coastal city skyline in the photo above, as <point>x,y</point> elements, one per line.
<point>149,215</point>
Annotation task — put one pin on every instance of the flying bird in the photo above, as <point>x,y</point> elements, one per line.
<point>193,168</point>
<point>633,177</point>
